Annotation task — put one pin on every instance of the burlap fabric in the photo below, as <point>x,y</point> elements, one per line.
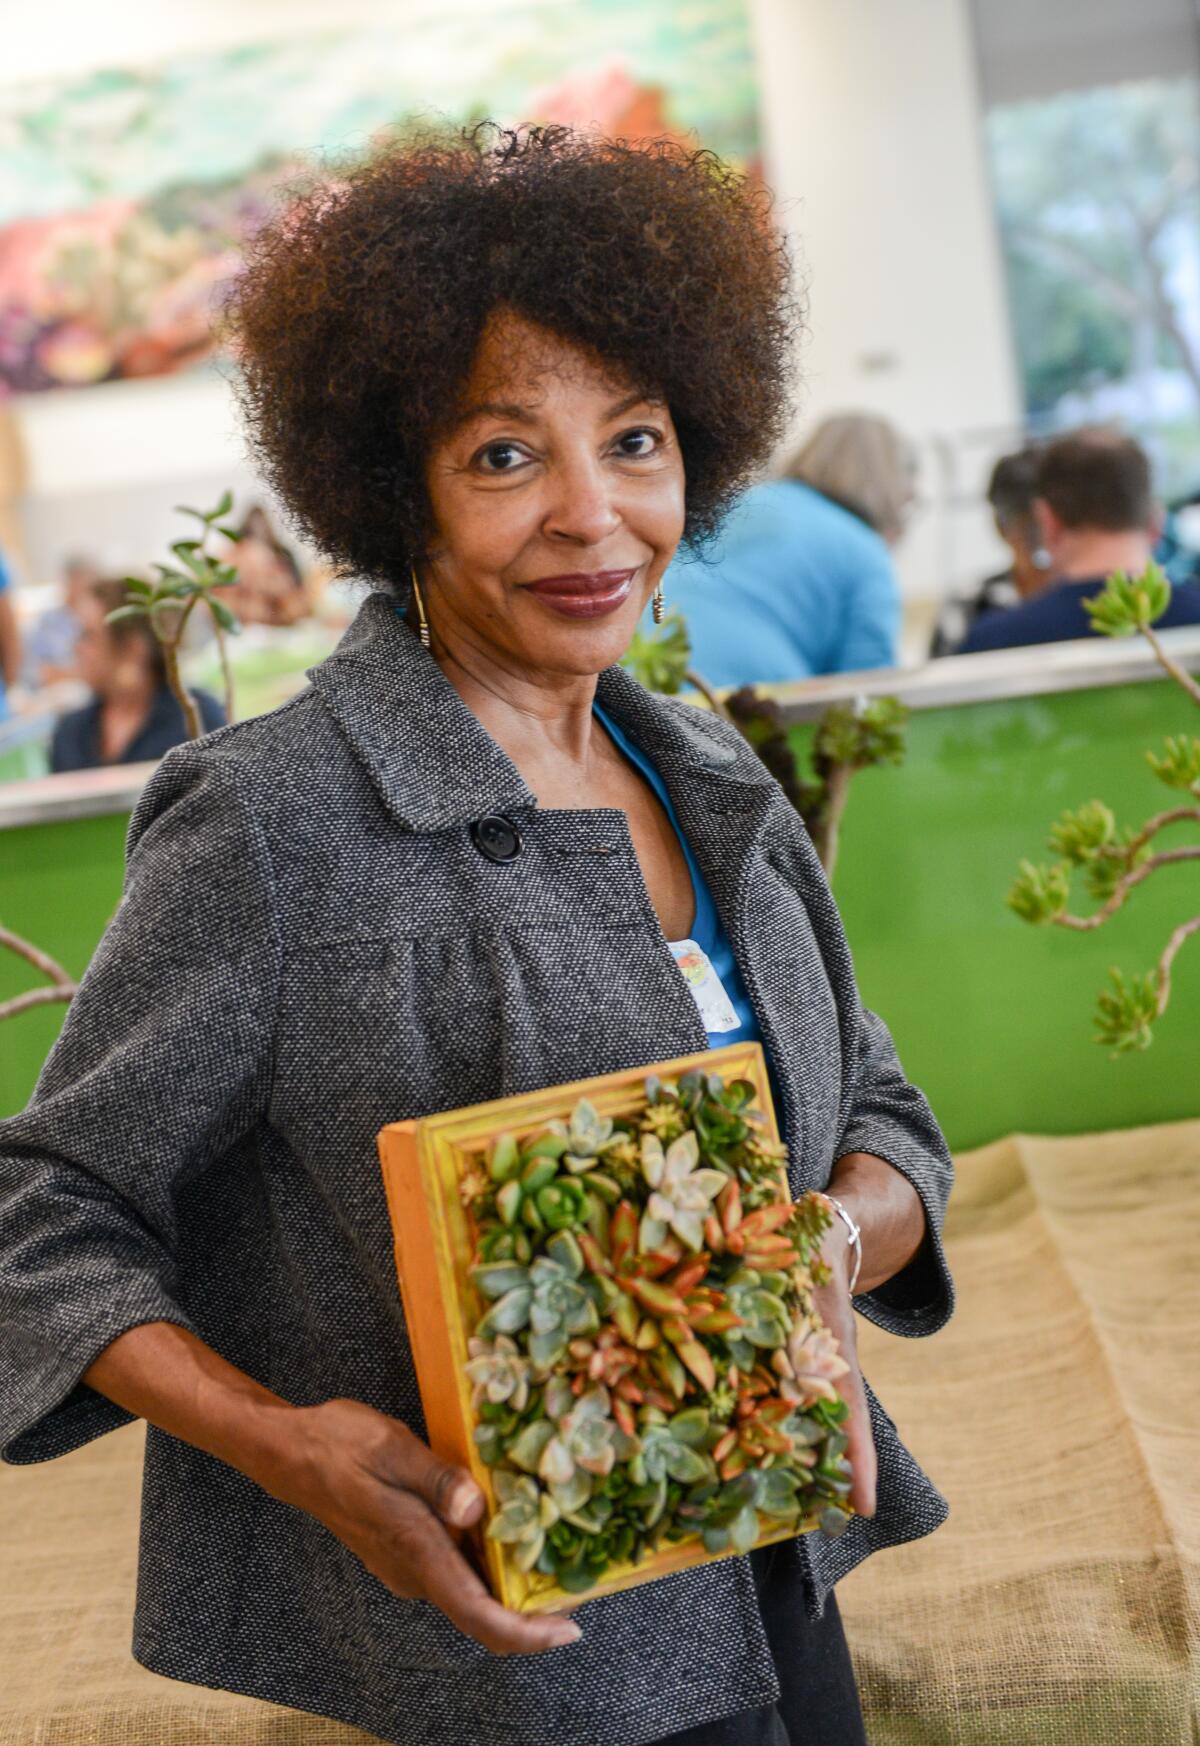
<point>1060,1412</point>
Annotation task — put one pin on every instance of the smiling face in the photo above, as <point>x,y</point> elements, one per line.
<point>558,502</point>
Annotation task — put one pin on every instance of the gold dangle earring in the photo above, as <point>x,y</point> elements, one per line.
<point>657,605</point>
<point>422,621</point>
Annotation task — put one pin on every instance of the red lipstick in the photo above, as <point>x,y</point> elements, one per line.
<point>584,594</point>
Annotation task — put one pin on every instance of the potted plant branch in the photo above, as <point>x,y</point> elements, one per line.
<point>169,603</point>
<point>849,737</point>
<point>1111,861</point>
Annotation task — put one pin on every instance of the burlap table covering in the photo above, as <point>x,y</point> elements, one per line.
<point>1060,1412</point>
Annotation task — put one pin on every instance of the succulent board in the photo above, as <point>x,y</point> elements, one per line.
<point>609,1295</point>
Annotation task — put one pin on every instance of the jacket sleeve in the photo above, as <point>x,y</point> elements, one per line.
<point>891,1119</point>
<point>162,1063</point>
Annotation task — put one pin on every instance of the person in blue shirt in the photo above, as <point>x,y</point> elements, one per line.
<point>1096,513</point>
<point>800,580</point>
<point>134,715</point>
<point>10,638</point>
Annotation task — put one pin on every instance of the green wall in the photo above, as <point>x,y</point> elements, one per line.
<point>992,1017</point>
<point>59,883</point>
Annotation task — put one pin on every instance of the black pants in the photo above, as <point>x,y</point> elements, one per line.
<point>818,1699</point>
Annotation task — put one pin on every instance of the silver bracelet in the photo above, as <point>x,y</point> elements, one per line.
<point>855,1238</point>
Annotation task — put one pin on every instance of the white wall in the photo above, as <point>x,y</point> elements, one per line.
<point>870,119</point>
<point>873,137</point>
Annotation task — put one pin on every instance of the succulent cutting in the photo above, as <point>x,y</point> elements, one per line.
<point>647,1364</point>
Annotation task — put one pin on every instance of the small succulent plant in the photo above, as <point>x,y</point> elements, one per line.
<point>560,1306</point>
<point>809,1365</point>
<point>525,1513</point>
<point>499,1371</point>
<point>586,1135</point>
<point>681,1191</point>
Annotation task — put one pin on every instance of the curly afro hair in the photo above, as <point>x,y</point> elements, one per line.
<point>360,310</point>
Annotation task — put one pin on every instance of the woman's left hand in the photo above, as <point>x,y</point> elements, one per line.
<point>837,1312</point>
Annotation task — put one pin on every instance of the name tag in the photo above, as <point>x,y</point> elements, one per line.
<point>716,1008</point>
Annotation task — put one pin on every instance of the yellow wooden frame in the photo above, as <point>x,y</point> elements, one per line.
<point>423,1163</point>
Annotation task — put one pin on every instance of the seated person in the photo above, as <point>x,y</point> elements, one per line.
<point>269,587</point>
<point>800,579</point>
<point>134,714</point>
<point>10,639</point>
<point>1010,493</point>
<point>1095,513</point>
<point>52,639</point>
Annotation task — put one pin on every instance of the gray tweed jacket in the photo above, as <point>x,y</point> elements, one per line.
<point>311,944</point>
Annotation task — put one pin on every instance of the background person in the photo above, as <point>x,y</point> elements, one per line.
<point>801,579</point>
<point>51,641</point>
<point>269,588</point>
<point>1010,493</point>
<point>521,377</point>
<point>134,714</point>
<point>1095,513</point>
<point>10,638</point>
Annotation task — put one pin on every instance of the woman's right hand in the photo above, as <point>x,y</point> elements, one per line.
<point>394,1503</point>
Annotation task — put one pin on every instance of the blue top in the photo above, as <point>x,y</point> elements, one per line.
<point>707,930</point>
<point>796,586</point>
<point>1057,616</point>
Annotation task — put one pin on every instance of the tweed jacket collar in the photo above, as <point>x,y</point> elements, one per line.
<point>435,765</point>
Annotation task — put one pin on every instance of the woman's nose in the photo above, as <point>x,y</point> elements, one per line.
<point>582,507</point>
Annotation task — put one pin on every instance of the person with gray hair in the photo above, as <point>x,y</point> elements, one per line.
<point>801,581</point>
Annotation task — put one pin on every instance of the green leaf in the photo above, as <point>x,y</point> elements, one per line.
<point>231,533</point>
<point>120,612</point>
<point>223,616</point>
<point>174,583</point>
<point>496,1279</point>
<point>526,1452</point>
<point>185,551</point>
<point>505,1159</point>
<point>223,507</point>
<point>136,585</point>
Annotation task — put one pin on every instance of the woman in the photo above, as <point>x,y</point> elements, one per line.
<point>501,381</point>
<point>801,581</point>
<point>134,714</point>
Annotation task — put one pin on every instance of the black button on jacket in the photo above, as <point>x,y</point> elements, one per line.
<point>310,945</point>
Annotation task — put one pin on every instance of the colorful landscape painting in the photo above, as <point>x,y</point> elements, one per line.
<point>126,195</point>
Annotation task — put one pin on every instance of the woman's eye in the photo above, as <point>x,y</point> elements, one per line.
<point>500,457</point>
<point>636,443</point>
